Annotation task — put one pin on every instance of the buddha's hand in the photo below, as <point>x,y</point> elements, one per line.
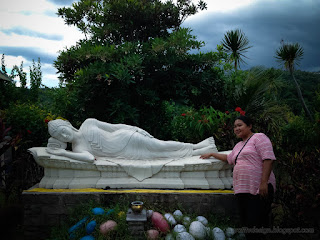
<point>143,132</point>
<point>56,151</point>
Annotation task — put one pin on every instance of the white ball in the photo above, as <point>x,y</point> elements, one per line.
<point>230,232</point>
<point>184,236</point>
<point>179,228</point>
<point>170,219</point>
<point>186,221</point>
<point>218,234</point>
<point>198,230</point>
<point>178,215</point>
<point>203,220</point>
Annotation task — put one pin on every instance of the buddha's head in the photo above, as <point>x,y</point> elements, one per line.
<point>61,130</point>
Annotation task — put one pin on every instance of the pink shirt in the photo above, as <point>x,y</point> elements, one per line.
<point>247,173</point>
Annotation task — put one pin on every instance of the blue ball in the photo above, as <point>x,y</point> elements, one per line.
<point>88,237</point>
<point>91,226</point>
<point>98,211</point>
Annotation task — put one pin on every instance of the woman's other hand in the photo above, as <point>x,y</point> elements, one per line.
<point>263,189</point>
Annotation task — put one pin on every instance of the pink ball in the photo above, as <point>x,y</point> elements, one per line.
<point>107,226</point>
<point>152,234</point>
<point>159,222</point>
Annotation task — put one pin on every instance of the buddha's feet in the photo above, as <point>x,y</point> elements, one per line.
<point>205,143</point>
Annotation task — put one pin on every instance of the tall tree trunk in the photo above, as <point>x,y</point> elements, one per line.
<point>301,97</point>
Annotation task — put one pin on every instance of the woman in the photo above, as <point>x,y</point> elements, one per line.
<point>101,139</point>
<point>253,179</point>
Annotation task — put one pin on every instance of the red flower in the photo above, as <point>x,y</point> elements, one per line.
<point>29,131</point>
<point>46,120</point>
<point>238,109</point>
<point>227,112</point>
<point>242,113</point>
<point>183,114</point>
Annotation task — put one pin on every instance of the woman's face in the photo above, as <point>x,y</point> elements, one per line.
<point>64,134</point>
<point>241,129</point>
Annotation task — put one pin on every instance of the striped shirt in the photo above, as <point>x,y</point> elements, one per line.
<point>247,173</point>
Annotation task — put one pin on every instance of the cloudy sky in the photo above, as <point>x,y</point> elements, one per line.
<point>30,29</point>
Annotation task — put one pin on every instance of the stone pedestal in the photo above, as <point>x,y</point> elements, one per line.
<point>43,210</point>
<point>136,223</point>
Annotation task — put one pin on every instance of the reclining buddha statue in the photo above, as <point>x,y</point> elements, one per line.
<point>130,155</point>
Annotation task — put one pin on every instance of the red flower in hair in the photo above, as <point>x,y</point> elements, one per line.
<point>242,113</point>
<point>238,109</point>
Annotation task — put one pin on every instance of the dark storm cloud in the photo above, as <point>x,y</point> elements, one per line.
<point>31,33</point>
<point>29,53</point>
<point>62,2</point>
<point>266,23</point>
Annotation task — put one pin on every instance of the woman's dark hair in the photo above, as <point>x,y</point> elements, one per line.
<point>245,119</point>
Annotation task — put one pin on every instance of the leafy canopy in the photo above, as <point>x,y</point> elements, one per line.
<point>118,21</point>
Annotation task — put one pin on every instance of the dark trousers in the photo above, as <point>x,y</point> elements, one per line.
<point>254,210</point>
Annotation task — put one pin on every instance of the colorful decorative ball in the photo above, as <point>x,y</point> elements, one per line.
<point>152,234</point>
<point>98,211</point>
<point>108,226</point>
<point>91,226</point>
<point>159,222</point>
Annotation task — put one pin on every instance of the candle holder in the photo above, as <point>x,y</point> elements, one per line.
<point>137,206</point>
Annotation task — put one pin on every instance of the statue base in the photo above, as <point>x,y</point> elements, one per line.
<point>186,173</point>
<point>46,208</point>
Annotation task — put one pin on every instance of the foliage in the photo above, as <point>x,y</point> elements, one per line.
<point>116,22</point>
<point>298,172</point>
<point>290,55</point>
<point>128,81</point>
<point>236,43</point>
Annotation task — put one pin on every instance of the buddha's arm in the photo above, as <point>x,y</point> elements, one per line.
<point>80,156</point>
<point>114,127</point>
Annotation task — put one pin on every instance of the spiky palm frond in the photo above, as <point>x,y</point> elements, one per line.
<point>236,42</point>
<point>289,55</point>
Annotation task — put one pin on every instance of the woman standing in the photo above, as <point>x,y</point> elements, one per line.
<point>253,179</point>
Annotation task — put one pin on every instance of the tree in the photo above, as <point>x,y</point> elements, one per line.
<point>290,55</point>
<point>236,43</point>
<point>115,22</point>
<point>125,76</point>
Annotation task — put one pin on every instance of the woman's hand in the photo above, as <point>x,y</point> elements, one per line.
<point>206,156</point>
<point>263,189</point>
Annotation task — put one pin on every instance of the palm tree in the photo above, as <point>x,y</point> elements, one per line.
<point>290,55</point>
<point>237,43</point>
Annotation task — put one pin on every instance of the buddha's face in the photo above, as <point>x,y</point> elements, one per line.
<point>64,134</point>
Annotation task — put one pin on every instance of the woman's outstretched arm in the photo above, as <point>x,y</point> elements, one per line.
<point>220,156</point>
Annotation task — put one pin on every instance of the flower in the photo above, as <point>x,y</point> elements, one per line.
<point>242,113</point>
<point>238,109</point>
<point>227,112</point>
<point>183,114</point>
<point>46,120</point>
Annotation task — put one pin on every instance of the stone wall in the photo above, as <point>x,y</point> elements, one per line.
<point>42,211</point>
